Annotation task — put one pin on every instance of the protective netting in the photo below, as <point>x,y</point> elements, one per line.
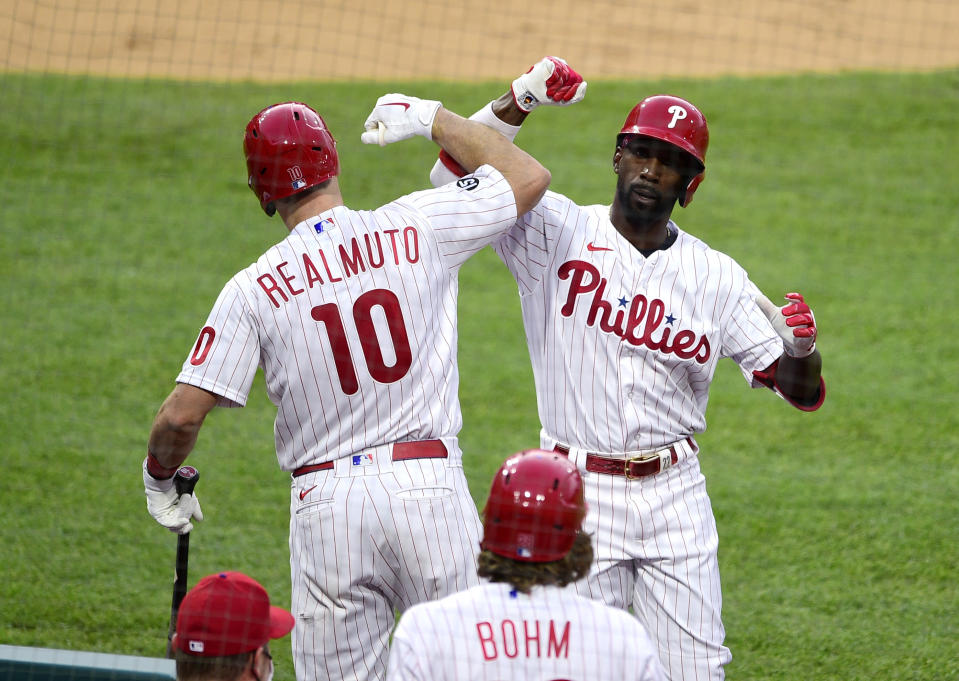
<point>345,40</point>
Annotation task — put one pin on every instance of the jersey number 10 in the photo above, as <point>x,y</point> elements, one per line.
<point>386,300</point>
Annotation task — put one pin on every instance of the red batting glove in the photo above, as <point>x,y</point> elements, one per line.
<point>550,81</point>
<point>794,323</point>
<point>799,317</point>
<point>565,83</point>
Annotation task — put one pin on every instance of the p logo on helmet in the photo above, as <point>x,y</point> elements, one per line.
<point>676,121</point>
<point>678,112</point>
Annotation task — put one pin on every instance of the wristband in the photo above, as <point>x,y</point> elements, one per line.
<point>487,117</point>
<point>156,469</point>
<point>491,120</point>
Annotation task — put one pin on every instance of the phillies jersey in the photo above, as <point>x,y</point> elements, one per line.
<point>352,318</point>
<point>492,632</point>
<point>624,346</point>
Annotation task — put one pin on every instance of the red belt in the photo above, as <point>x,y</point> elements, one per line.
<point>402,451</point>
<point>637,467</point>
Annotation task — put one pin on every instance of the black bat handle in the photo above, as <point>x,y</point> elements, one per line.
<point>184,481</point>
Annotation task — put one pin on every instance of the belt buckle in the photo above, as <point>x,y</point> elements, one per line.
<point>638,459</point>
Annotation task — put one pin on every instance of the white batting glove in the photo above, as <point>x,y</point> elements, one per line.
<point>794,322</point>
<point>398,117</point>
<point>172,511</point>
<point>550,81</point>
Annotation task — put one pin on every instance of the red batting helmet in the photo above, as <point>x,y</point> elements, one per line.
<point>676,121</point>
<point>288,150</point>
<point>535,507</point>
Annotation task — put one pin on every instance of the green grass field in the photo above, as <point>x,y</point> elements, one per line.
<point>124,208</point>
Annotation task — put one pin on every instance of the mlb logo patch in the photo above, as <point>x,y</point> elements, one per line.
<point>524,545</point>
<point>362,459</point>
<point>323,225</point>
<point>296,177</point>
<point>196,646</point>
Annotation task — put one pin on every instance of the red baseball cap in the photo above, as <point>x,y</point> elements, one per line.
<point>228,613</point>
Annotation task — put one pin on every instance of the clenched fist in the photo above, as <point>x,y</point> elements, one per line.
<point>550,81</point>
<point>398,117</point>
<point>174,511</point>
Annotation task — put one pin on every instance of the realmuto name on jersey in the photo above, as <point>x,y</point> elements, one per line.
<point>382,248</point>
<point>640,325</point>
<point>525,638</point>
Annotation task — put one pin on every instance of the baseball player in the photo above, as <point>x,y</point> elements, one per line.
<point>352,318</point>
<point>223,630</point>
<point>626,316</point>
<point>521,623</point>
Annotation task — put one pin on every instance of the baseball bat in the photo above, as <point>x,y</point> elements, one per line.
<point>185,480</point>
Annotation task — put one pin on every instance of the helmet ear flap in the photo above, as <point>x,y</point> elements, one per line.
<point>691,189</point>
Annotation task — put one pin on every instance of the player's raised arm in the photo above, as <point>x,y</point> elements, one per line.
<point>551,81</point>
<point>475,145</point>
<point>397,117</point>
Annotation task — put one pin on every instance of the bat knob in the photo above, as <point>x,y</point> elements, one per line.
<point>185,479</point>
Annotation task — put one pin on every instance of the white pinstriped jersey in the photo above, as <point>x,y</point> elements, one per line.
<point>492,633</point>
<point>352,318</point>
<point>623,346</point>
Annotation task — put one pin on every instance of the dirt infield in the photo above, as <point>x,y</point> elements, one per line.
<point>383,39</point>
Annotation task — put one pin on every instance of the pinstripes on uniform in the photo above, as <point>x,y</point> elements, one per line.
<point>491,632</point>
<point>412,250</point>
<point>616,394</point>
<point>369,538</point>
<point>624,348</point>
<point>352,318</point>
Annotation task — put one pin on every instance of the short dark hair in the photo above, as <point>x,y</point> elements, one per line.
<point>523,576</point>
<point>198,668</point>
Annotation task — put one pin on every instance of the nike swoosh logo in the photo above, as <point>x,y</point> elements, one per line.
<point>405,105</point>
<point>593,247</point>
<point>304,492</point>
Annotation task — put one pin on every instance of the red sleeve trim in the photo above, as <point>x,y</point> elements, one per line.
<point>451,164</point>
<point>768,379</point>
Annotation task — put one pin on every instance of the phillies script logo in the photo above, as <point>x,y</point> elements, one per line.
<point>640,325</point>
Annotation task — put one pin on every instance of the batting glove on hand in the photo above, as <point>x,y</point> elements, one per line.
<point>794,323</point>
<point>550,81</point>
<point>167,508</point>
<point>398,117</point>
